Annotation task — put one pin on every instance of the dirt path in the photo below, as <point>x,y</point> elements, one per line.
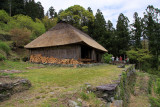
<point>140,96</point>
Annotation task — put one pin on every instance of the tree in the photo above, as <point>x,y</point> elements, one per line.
<point>122,33</point>
<point>49,23</point>
<point>152,29</point>
<point>99,28</point>
<point>110,38</point>
<point>25,7</point>
<point>34,10</point>
<point>77,16</point>
<point>20,36</point>
<point>90,24</point>
<point>51,11</point>
<point>21,21</point>
<point>140,56</point>
<point>89,9</point>
<point>137,31</point>
<point>17,7</point>
<point>4,17</point>
<point>4,5</point>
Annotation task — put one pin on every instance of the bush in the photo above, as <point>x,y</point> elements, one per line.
<point>2,58</point>
<point>107,57</point>
<point>4,17</point>
<point>155,102</point>
<point>4,47</point>
<point>49,23</point>
<point>20,36</point>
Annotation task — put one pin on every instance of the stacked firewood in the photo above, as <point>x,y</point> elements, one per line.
<point>38,58</point>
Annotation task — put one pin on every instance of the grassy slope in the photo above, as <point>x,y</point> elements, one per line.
<point>140,97</point>
<point>65,82</point>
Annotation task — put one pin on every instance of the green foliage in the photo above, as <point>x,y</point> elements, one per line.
<point>139,55</point>
<point>25,7</point>
<point>4,17</point>
<point>2,58</point>
<point>38,28</point>
<point>51,11</point>
<point>152,26</point>
<point>49,23</point>
<point>84,96</point>
<point>155,102</point>
<point>122,33</point>
<point>99,33</point>
<point>77,16</point>
<point>85,29</point>
<point>4,47</point>
<point>34,10</point>
<point>107,57</point>
<point>22,22</point>
<point>137,31</point>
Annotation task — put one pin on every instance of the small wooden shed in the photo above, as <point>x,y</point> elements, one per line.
<point>66,42</point>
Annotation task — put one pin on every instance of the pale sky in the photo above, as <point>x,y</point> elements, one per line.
<point>110,8</point>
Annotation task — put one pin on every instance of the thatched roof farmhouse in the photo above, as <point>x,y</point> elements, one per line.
<point>66,42</point>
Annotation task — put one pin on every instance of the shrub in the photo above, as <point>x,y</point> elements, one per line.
<point>107,57</point>
<point>4,17</point>
<point>2,58</point>
<point>4,47</point>
<point>155,102</point>
<point>20,36</point>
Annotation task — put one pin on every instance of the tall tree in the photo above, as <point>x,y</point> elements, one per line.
<point>5,5</point>
<point>51,11</point>
<point>90,24</point>
<point>99,28</point>
<point>110,39</point>
<point>137,31</point>
<point>89,9</point>
<point>122,33</point>
<point>34,10</point>
<point>25,7</point>
<point>152,27</point>
<point>17,7</point>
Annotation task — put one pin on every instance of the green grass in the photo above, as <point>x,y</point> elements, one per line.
<point>65,82</point>
<point>15,65</point>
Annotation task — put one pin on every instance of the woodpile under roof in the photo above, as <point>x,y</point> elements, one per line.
<point>63,34</point>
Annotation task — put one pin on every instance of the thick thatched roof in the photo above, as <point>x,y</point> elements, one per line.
<point>63,34</point>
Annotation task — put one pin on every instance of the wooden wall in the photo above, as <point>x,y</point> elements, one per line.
<point>61,52</point>
<point>73,51</point>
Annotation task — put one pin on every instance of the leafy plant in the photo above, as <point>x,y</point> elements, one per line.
<point>139,55</point>
<point>155,102</point>
<point>2,58</point>
<point>107,57</point>
<point>84,96</point>
<point>20,36</point>
<point>4,47</point>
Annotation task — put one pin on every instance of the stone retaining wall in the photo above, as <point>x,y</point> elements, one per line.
<point>76,65</point>
<point>117,94</point>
